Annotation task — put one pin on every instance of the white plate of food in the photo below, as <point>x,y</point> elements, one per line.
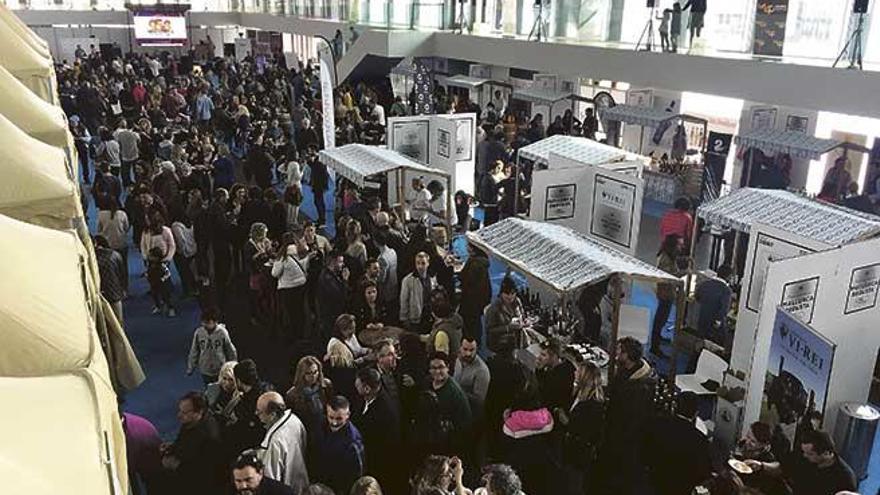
<point>739,466</point>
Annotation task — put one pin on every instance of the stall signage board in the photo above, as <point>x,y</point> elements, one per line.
<point>863,286</point>
<point>771,245</point>
<point>442,138</point>
<point>465,136</point>
<point>799,298</point>
<point>614,203</point>
<point>560,202</point>
<point>799,366</point>
<point>410,136</point>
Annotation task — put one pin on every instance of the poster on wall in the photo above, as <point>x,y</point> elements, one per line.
<point>547,82</point>
<point>798,371</point>
<point>770,18</point>
<point>560,202</point>
<point>864,282</point>
<point>763,118</point>
<point>799,298</point>
<point>327,67</point>
<point>409,138</point>
<point>770,245</point>
<point>613,211</point>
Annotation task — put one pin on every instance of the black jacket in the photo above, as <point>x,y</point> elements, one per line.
<point>630,407</point>
<point>201,465</point>
<point>380,429</point>
<point>677,455</point>
<point>268,486</point>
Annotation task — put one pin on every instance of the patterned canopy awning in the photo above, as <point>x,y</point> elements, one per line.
<point>576,148</point>
<point>558,256</point>
<point>468,82</point>
<point>643,116</point>
<point>797,144</point>
<point>356,162</point>
<point>540,96</point>
<point>825,222</point>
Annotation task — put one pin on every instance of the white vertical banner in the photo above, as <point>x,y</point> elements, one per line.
<point>327,68</point>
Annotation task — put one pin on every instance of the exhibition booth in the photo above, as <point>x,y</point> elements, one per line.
<point>560,265</point>
<point>808,291</point>
<point>538,97</point>
<point>588,186</point>
<point>446,142</point>
<point>358,162</point>
<point>477,89</point>
<point>677,164</point>
<point>793,143</point>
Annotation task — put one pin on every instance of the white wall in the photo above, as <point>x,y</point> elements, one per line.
<point>855,334</point>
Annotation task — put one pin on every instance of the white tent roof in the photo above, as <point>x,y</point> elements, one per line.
<point>38,118</point>
<point>33,69</point>
<point>44,314</point>
<point>576,148</point>
<point>462,81</point>
<point>35,186</point>
<point>56,432</point>
<point>797,144</point>
<point>558,256</point>
<point>356,162</point>
<point>818,220</point>
<point>25,33</point>
<point>643,116</point>
<point>540,96</point>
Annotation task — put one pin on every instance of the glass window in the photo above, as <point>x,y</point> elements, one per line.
<point>729,25</point>
<point>815,28</point>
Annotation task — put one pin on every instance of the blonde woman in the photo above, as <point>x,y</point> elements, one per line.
<point>223,395</point>
<point>340,369</point>
<point>309,393</point>
<point>582,424</point>
<point>366,485</point>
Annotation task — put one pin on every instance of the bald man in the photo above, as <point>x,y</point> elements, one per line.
<point>283,449</point>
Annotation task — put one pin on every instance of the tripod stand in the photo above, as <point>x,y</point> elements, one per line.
<point>539,29</point>
<point>647,33</point>
<point>855,55</point>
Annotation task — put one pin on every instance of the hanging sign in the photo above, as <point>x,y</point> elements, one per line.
<point>770,19</point>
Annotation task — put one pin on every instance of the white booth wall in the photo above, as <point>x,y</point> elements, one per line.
<point>855,334</point>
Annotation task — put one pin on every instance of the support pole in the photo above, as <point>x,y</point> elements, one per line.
<point>615,323</point>
<point>680,301</point>
<point>449,229</point>
<point>400,190</point>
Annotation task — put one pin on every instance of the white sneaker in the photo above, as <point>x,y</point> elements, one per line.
<point>156,310</point>
<point>172,313</point>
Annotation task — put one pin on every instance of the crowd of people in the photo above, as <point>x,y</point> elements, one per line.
<point>200,167</point>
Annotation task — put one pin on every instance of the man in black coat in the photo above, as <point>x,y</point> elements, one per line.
<point>677,453</point>
<point>192,463</point>
<point>630,407</point>
<point>378,419</point>
<point>332,292</point>
<point>247,476</point>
